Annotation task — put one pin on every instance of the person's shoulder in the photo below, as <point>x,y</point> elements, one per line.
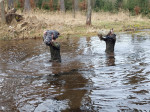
<point>114,35</point>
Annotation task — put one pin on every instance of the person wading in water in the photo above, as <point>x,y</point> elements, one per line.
<point>110,40</point>
<point>49,39</point>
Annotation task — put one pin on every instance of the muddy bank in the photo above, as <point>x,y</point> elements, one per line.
<point>30,27</point>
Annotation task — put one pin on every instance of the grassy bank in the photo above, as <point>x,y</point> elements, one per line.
<point>36,22</point>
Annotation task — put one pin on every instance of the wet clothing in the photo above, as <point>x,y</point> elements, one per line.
<point>55,52</point>
<point>47,37</point>
<point>54,46</point>
<point>110,42</point>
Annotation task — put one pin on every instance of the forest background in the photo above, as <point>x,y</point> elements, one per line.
<point>69,17</point>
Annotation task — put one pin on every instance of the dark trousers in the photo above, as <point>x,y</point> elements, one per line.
<point>55,54</point>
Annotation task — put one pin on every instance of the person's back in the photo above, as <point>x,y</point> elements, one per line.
<point>110,43</point>
<point>47,37</point>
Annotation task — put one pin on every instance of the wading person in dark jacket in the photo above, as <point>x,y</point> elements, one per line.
<point>49,39</point>
<point>110,40</point>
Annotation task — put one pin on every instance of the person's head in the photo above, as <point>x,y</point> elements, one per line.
<point>45,32</point>
<point>55,37</point>
<point>112,31</point>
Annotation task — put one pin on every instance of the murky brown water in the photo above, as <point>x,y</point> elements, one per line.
<point>88,79</point>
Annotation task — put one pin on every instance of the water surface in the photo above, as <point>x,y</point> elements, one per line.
<point>88,79</point>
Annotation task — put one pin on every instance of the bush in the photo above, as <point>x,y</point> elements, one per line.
<point>118,4</point>
<point>133,6</point>
<point>104,5</point>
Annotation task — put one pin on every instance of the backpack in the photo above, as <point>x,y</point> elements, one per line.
<point>47,37</point>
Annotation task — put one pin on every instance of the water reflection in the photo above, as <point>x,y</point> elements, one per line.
<point>73,89</point>
<point>70,86</point>
<point>110,59</point>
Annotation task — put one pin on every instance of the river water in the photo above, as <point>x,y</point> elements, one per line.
<point>88,79</point>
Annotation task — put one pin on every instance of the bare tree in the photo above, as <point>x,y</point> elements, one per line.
<point>62,5</point>
<point>73,8</point>
<point>27,5</point>
<point>10,4</point>
<point>2,11</point>
<point>51,5</point>
<point>33,4</point>
<point>89,13</point>
<point>76,5</point>
<point>83,5</point>
<point>21,3</point>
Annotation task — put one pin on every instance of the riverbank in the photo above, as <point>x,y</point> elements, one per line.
<point>36,22</point>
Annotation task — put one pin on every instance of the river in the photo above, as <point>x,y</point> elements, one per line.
<point>88,79</point>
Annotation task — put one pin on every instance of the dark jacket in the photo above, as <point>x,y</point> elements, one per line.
<point>110,42</point>
<point>47,37</point>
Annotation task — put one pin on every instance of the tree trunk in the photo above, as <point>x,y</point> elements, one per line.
<point>58,5</point>
<point>27,5</point>
<point>51,5</point>
<point>32,4</point>
<point>2,11</point>
<point>73,8</point>
<point>10,4</point>
<point>76,4</point>
<point>15,3</point>
<point>21,3</point>
<point>89,13</point>
<point>62,5</point>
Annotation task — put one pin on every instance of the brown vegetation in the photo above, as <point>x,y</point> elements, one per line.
<point>34,23</point>
<point>10,17</point>
<point>137,10</point>
<point>83,5</point>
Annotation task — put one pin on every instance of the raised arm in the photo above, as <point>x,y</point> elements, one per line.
<point>101,37</point>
